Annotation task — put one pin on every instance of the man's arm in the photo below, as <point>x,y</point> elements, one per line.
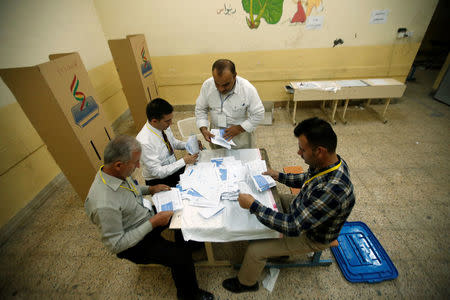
<point>255,110</point>
<point>109,220</point>
<point>322,205</point>
<point>202,107</point>
<point>150,158</point>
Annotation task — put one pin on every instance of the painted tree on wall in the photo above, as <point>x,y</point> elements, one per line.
<point>269,10</point>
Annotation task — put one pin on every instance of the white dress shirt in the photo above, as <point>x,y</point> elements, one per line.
<point>242,106</point>
<point>156,161</point>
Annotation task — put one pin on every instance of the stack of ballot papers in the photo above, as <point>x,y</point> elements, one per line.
<point>218,139</point>
<point>261,182</point>
<point>167,200</point>
<point>192,145</point>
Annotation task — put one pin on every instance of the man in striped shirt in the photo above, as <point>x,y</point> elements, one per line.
<point>314,218</point>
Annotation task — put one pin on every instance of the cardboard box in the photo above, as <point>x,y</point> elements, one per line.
<point>136,73</point>
<point>59,100</point>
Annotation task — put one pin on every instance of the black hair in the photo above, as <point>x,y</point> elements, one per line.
<point>318,132</point>
<point>224,64</point>
<point>158,108</point>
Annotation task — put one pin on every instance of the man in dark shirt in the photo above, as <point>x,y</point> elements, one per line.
<point>314,218</point>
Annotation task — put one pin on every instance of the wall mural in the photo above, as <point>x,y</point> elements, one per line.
<point>272,10</point>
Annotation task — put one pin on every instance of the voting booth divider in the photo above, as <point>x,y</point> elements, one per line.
<point>136,74</point>
<point>60,101</point>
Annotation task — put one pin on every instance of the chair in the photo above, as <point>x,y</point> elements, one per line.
<point>293,170</point>
<point>188,127</point>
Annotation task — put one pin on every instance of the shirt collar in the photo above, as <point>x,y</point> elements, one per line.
<point>111,181</point>
<point>154,129</point>
<point>326,168</point>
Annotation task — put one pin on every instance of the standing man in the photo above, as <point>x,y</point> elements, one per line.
<point>159,164</point>
<point>233,102</point>
<point>314,218</point>
<point>128,229</point>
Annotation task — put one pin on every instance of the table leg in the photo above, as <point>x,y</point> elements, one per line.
<point>345,110</point>
<point>368,102</point>
<point>333,113</point>
<point>384,111</point>
<point>293,113</point>
<point>212,262</point>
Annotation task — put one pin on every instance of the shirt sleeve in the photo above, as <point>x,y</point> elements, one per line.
<point>150,158</point>
<point>321,204</point>
<point>112,232</point>
<point>292,180</point>
<point>202,107</point>
<point>255,110</point>
<point>176,144</point>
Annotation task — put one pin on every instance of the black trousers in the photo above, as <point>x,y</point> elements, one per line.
<point>171,180</point>
<point>153,248</point>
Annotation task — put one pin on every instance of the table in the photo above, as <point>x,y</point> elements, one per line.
<point>378,88</point>
<point>206,155</point>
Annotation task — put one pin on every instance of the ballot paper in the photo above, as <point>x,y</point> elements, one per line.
<point>208,212</point>
<point>192,145</point>
<point>168,200</point>
<point>261,182</point>
<point>218,139</point>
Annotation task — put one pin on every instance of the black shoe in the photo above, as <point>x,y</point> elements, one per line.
<point>204,295</point>
<point>233,285</point>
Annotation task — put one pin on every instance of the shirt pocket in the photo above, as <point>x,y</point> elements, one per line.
<point>239,108</point>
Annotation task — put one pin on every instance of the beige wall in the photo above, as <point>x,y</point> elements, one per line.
<point>184,38</point>
<point>29,32</point>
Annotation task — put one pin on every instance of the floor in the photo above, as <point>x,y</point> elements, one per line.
<point>401,175</point>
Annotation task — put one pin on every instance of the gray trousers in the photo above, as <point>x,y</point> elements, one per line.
<point>259,251</point>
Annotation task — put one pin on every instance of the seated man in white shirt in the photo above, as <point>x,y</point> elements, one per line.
<point>234,105</point>
<point>159,164</point>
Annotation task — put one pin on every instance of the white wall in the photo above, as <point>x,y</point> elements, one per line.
<point>175,27</point>
<point>30,30</point>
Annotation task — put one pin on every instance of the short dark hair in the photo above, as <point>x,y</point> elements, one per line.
<point>121,149</point>
<point>318,132</point>
<point>224,64</point>
<point>158,108</point>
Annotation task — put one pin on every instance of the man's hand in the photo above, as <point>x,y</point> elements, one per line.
<point>272,173</point>
<point>161,218</point>
<point>190,159</point>
<point>245,200</point>
<point>233,131</point>
<point>206,134</point>
<point>158,188</point>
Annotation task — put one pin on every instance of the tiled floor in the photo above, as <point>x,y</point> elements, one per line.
<point>401,175</point>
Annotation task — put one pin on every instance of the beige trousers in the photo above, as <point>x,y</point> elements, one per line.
<point>259,251</point>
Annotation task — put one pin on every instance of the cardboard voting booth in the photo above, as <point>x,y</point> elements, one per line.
<point>136,73</point>
<point>59,100</point>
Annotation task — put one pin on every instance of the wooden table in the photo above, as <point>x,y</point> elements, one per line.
<point>379,88</point>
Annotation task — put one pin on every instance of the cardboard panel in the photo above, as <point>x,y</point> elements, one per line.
<point>136,74</point>
<point>59,100</point>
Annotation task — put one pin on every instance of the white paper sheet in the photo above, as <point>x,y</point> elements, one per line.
<point>192,145</point>
<point>219,140</point>
<point>168,200</point>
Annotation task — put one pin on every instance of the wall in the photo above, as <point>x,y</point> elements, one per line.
<point>185,38</point>
<point>29,32</point>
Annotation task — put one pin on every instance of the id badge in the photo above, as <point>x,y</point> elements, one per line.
<point>222,120</point>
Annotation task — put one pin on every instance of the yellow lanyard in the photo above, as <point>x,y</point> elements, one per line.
<point>322,173</point>
<point>133,189</point>
<point>168,147</point>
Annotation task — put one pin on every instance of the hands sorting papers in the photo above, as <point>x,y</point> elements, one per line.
<point>261,182</point>
<point>192,145</point>
<point>168,200</point>
<point>219,140</point>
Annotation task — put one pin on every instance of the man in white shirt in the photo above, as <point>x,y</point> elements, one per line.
<point>159,164</point>
<point>233,102</point>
